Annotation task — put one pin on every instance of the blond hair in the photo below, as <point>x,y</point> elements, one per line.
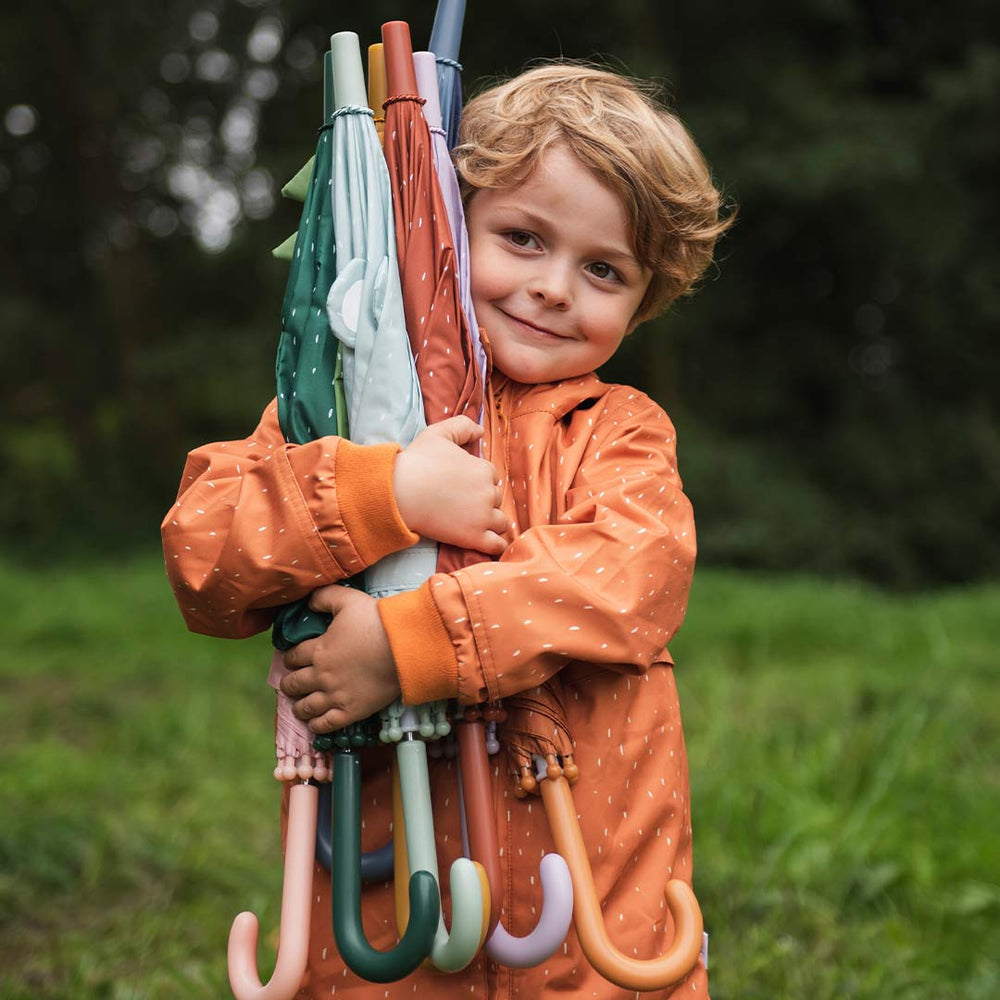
<point>623,134</point>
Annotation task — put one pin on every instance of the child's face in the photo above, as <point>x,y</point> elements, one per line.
<point>555,280</point>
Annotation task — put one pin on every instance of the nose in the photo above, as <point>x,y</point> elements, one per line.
<point>551,285</point>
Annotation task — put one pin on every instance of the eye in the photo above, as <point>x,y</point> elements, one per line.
<point>604,271</point>
<point>521,239</point>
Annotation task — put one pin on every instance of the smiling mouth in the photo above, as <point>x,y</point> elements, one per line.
<point>539,331</point>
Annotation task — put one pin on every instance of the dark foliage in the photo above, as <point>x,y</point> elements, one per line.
<point>833,382</point>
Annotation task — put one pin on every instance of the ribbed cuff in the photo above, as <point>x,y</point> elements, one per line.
<point>425,657</point>
<point>367,502</point>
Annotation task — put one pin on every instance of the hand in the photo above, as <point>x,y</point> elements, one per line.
<point>346,674</point>
<point>446,494</point>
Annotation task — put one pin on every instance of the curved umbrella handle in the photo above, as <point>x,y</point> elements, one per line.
<point>296,901</point>
<point>376,866</point>
<point>451,951</point>
<point>557,887</point>
<point>348,931</point>
<point>553,924</point>
<point>622,970</point>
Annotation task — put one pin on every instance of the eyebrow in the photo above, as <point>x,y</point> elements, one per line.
<point>613,254</point>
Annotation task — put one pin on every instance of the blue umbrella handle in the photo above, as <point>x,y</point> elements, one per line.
<point>446,34</point>
<point>376,866</point>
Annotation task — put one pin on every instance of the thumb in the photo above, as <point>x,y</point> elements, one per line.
<point>331,599</point>
<point>461,429</point>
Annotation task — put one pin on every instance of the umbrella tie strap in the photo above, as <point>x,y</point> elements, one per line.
<point>404,97</point>
<point>453,63</point>
<point>347,109</point>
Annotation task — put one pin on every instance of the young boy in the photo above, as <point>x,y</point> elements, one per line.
<point>589,210</point>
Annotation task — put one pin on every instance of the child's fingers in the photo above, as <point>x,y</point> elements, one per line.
<point>330,720</point>
<point>331,599</point>
<point>461,430</point>
<point>498,521</point>
<point>299,683</point>
<point>299,656</point>
<point>492,544</point>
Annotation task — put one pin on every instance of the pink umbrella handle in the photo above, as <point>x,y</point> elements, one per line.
<point>552,927</point>
<point>398,50</point>
<point>296,902</point>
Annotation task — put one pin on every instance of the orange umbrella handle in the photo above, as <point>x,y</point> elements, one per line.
<point>622,970</point>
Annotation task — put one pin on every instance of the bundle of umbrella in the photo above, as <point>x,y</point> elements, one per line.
<point>377,300</point>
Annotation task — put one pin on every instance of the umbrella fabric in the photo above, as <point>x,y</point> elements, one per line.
<point>365,302</point>
<point>438,329</point>
<point>307,408</point>
<point>427,84</point>
<point>446,36</point>
<point>307,353</point>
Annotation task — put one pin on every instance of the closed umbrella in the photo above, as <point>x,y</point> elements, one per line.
<point>303,331</point>
<point>446,37</point>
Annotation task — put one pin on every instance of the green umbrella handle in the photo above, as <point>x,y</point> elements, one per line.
<point>453,951</point>
<point>348,931</point>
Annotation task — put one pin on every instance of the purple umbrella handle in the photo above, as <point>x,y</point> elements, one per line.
<point>446,34</point>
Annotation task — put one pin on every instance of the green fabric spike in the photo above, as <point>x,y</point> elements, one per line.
<point>287,249</point>
<point>297,188</point>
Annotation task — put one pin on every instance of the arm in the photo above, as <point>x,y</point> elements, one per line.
<point>607,583</point>
<point>259,523</point>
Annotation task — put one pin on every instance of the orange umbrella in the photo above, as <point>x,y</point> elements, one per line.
<point>439,332</point>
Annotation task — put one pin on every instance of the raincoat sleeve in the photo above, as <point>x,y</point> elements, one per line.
<point>606,583</point>
<point>259,523</point>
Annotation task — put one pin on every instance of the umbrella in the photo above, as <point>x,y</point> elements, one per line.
<point>364,310</point>
<point>540,743</point>
<point>446,37</point>
<point>428,87</point>
<point>303,328</point>
<point>477,796</point>
<point>384,403</point>
<point>439,331</point>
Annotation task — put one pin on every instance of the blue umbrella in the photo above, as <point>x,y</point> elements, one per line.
<point>446,37</point>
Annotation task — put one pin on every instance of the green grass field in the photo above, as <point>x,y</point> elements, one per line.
<point>845,750</point>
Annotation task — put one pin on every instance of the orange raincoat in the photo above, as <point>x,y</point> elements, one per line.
<point>584,600</point>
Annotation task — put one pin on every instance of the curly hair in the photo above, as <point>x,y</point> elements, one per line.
<point>620,130</point>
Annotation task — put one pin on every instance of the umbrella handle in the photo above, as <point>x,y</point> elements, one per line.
<point>348,930</point>
<point>296,901</point>
<point>401,78</point>
<point>446,32</point>
<point>622,970</point>
<point>451,951</point>
<point>557,887</point>
<point>376,866</point>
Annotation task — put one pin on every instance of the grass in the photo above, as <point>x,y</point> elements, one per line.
<point>844,752</point>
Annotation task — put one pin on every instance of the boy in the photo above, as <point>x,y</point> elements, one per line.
<point>589,209</point>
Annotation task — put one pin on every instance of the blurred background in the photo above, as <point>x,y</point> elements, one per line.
<point>833,381</point>
<point>834,385</point>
